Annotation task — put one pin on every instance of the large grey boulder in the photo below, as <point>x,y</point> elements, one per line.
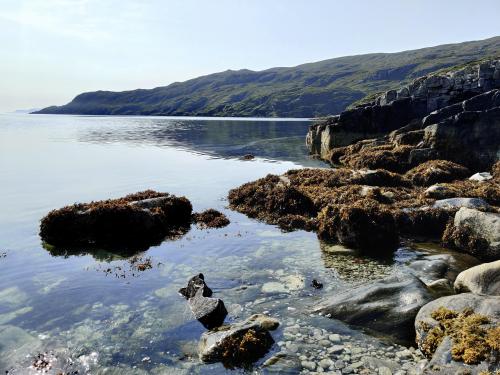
<point>238,344</point>
<point>388,306</point>
<point>441,361</point>
<point>475,232</point>
<point>481,279</point>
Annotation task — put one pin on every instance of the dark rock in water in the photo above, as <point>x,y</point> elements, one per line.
<point>460,334</point>
<point>248,157</point>
<point>139,219</point>
<point>388,306</point>
<point>194,284</point>
<point>238,344</point>
<point>474,232</point>
<point>316,284</point>
<point>211,219</point>
<point>210,312</point>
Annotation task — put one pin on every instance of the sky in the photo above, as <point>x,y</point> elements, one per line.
<point>52,50</point>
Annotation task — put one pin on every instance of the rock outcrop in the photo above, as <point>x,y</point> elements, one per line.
<point>238,344</point>
<point>474,232</point>
<point>481,279</point>
<point>442,97</point>
<point>139,219</point>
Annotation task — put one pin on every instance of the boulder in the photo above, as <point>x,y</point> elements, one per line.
<point>474,232</point>
<point>481,279</point>
<point>139,219</point>
<point>388,306</point>
<point>238,344</point>
<point>459,332</point>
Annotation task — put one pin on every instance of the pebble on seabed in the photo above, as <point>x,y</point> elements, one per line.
<point>320,351</point>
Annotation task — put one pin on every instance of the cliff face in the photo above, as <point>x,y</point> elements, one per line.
<point>415,103</point>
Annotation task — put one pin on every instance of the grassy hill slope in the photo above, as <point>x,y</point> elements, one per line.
<point>309,90</point>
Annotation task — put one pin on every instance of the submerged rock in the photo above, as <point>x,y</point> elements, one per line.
<point>481,279</point>
<point>238,344</point>
<point>388,306</point>
<point>139,219</point>
<point>475,232</point>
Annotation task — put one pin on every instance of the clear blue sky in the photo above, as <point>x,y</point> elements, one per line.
<point>54,49</point>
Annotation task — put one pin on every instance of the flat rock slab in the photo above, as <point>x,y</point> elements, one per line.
<point>388,306</point>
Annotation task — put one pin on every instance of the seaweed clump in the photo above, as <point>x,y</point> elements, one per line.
<point>139,219</point>
<point>471,341</point>
<point>244,349</point>
<point>211,219</point>
<point>435,171</point>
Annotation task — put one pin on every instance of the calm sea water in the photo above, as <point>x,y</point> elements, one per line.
<point>94,311</point>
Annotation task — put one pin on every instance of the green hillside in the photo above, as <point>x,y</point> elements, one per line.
<point>309,90</point>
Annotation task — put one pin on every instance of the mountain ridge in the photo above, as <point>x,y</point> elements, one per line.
<point>311,89</point>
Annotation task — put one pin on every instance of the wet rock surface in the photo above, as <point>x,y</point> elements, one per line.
<point>139,219</point>
<point>388,306</point>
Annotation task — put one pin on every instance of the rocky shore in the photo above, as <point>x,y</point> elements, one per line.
<point>417,163</point>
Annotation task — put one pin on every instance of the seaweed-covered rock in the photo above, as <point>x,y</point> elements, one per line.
<point>139,219</point>
<point>211,219</point>
<point>388,306</point>
<point>474,232</point>
<point>364,225</point>
<point>481,279</point>
<point>436,171</point>
<point>238,344</point>
<point>460,333</point>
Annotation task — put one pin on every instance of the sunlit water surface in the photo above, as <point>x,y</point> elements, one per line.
<point>94,311</point>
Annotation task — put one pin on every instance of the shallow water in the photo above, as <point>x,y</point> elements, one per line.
<point>94,311</point>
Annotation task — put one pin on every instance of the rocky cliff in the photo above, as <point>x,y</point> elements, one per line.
<point>429,107</point>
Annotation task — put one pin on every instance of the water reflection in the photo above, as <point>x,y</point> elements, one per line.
<point>273,140</point>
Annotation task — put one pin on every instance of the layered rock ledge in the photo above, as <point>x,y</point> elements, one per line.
<point>435,112</point>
